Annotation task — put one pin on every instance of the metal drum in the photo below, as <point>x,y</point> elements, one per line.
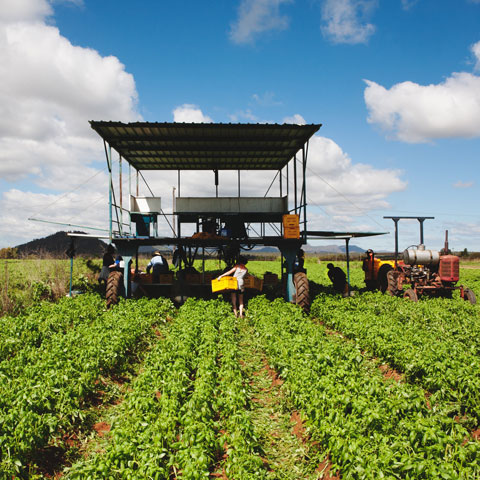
<point>420,256</point>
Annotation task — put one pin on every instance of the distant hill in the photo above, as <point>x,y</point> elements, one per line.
<point>59,242</point>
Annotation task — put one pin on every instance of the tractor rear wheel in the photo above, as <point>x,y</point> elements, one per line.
<point>302,291</point>
<point>382,277</point>
<point>411,295</point>
<point>114,288</point>
<point>470,296</point>
<point>392,283</point>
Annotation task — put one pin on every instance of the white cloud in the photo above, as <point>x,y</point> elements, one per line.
<point>420,113</point>
<point>407,4</point>
<point>345,21</point>
<point>296,119</point>
<point>256,17</point>
<point>461,184</point>
<point>49,89</point>
<point>246,115</point>
<point>475,48</point>
<point>189,113</point>
<point>266,100</point>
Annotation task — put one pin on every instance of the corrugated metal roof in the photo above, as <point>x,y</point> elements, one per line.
<point>205,146</point>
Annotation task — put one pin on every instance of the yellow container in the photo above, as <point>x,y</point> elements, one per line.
<point>224,284</point>
<point>291,232</point>
<point>291,221</point>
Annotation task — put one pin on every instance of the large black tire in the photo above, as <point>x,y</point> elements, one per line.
<point>470,296</point>
<point>411,295</point>
<point>392,283</point>
<point>302,291</point>
<point>382,277</point>
<point>114,288</point>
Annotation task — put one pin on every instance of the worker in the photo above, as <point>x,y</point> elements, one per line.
<point>368,267</point>
<point>299,262</point>
<point>106,262</point>
<point>239,271</point>
<point>338,278</point>
<point>158,264</point>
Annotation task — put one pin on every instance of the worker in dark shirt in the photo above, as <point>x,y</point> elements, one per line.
<point>338,278</point>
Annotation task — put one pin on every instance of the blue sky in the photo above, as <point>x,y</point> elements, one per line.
<point>395,83</point>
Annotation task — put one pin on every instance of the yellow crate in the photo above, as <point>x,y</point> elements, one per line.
<point>291,232</point>
<point>224,284</point>
<point>253,282</point>
<point>291,221</point>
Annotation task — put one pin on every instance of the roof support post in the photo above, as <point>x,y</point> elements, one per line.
<point>238,179</point>
<point>120,181</point>
<point>280,175</point>
<point>347,240</point>
<point>216,182</point>
<point>129,196</point>
<point>304,155</point>
<point>178,182</point>
<point>295,180</point>
<point>108,153</point>
<point>138,182</point>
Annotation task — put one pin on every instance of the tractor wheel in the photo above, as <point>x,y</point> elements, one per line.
<point>470,296</point>
<point>411,295</point>
<point>302,291</point>
<point>382,277</point>
<point>114,288</point>
<point>392,283</point>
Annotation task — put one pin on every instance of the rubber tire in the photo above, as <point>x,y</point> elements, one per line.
<point>392,282</point>
<point>411,295</point>
<point>114,288</point>
<point>382,277</point>
<point>302,291</point>
<point>470,296</point>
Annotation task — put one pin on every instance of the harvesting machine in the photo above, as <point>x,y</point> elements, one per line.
<point>205,226</point>
<point>425,272</point>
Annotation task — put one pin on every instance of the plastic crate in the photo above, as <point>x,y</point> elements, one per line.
<point>225,284</point>
<point>253,282</point>
<point>291,221</point>
<point>291,232</point>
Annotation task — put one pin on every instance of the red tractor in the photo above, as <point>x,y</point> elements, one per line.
<point>425,272</point>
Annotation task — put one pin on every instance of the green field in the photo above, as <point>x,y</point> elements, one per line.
<point>365,387</point>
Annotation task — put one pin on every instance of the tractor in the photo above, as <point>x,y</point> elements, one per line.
<point>425,272</point>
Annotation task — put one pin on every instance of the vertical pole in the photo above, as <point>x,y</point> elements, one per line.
<point>287,185</point>
<point>280,175</point>
<point>295,180</point>
<point>178,182</point>
<point>421,220</point>
<point>138,181</point>
<point>129,198</point>
<point>216,182</point>
<point>347,240</point>
<point>395,220</point>
<point>238,180</point>
<point>120,180</point>
<point>110,185</point>
<point>71,276</point>
<point>173,212</point>
<point>304,154</point>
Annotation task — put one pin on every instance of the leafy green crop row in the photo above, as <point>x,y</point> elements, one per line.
<point>172,421</point>
<point>45,320</point>
<point>436,342</point>
<point>43,389</point>
<point>372,428</point>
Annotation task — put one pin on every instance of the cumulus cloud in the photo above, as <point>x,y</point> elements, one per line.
<point>338,184</point>
<point>49,89</point>
<point>256,17</point>
<point>189,113</point>
<point>346,21</point>
<point>475,48</point>
<point>296,119</point>
<point>408,4</point>
<point>420,113</point>
<point>266,100</point>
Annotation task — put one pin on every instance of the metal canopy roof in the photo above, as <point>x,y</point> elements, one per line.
<point>205,146</point>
